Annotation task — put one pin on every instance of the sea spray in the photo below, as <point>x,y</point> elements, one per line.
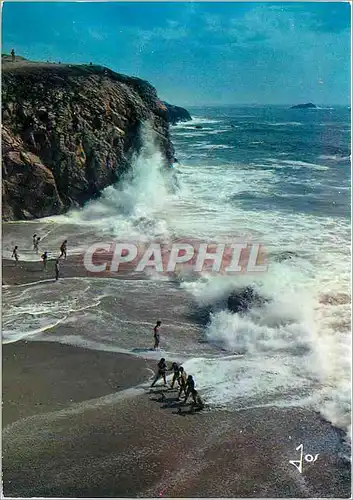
<point>128,208</point>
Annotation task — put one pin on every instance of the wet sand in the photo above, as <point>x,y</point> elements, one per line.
<point>83,423</point>
<point>72,428</point>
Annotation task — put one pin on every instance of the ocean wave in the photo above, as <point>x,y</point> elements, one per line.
<point>200,120</point>
<point>214,146</point>
<point>288,347</point>
<point>334,158</point>
<point>284,124</point>
<point>304,164</point>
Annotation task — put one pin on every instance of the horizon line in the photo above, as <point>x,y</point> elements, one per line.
<point>258,105</point>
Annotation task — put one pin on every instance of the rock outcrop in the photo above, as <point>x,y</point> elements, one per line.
<point>177,114</point>
<point>308,105</point>
<point>68,131</point>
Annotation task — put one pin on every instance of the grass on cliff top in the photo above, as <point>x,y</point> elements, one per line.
<point>26,67</point>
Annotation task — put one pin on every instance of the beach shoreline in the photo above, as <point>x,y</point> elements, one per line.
<point>79,422</point>
<point>106,434</point>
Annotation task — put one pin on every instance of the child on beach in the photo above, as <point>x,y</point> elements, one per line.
<point>44,257</point>
<point>63,249</point>
<point>176,375</point>
<point>161,372</point>
<point>190,389</point>
<point>156,335</point>
<point>182,381</point>
<point>57,269</point>
<point>36,243</point>
<point>15,254</point>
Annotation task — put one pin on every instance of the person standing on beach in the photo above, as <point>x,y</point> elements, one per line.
<point>57,269</point>
<point>15,254</point>
<point>13,58</point>
<point>36,243</point>
<point>45,258</point>
<point>156,335</point>
<point>63,249</point>
<point>161,372</point>
<point>190,389</point>
<point>182,381</point>
<point>176,374</point>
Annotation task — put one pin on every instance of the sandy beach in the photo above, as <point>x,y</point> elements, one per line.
<point>84,423</point>
<point>78,423</point>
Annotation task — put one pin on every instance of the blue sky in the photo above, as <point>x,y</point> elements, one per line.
<point>197,53</point>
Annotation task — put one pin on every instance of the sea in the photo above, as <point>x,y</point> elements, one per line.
<point>272,175</point>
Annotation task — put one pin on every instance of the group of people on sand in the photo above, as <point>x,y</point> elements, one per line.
<point>185,382</point>
<point>36,239</point>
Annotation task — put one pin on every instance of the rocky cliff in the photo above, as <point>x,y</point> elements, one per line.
<point>68,132</point>
<point>177,114</point>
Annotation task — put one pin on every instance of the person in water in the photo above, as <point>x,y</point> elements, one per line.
<point>15,254</point>
<point>57,269</point>
<point>176,374</point>
<point>182,381</point>
<point>63,249</point>
<point>34,237</point>
<point>161,372</point>
<point>156,335</point>
<point>44,257</point>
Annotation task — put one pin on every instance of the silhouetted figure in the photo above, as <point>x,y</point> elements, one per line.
<point>63,249</point>
<point>176,374</point>
<point>45,259</point>
<point>57,269</point>
<point>182,380</point>
<point>15,254</point>
<point>190,389</point>
<point>161,373</point>
<point>36,243</point>
<point>13,57</point>
<point>156,335</point>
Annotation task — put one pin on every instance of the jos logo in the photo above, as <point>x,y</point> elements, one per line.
<point>308,458</point>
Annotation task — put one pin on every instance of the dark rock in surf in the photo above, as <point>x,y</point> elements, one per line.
<point>69,131</point>
<point>241,301</point>
<point>176,114</point>
<point>308,105</point>
<point>238,301</point>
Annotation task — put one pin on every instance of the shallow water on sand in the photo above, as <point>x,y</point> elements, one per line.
<point>271,176</point>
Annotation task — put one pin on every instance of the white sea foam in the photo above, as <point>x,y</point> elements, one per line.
<point>214,146</point>
<point>334,157</point>
<point>285,124</point>
<point>294,348</point>
<point>291,354</point>
<point>304,164</point>
<point>128,209</point>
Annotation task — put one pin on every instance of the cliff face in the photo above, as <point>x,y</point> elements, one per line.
<point>68,132</point>
<point>177,114</point>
